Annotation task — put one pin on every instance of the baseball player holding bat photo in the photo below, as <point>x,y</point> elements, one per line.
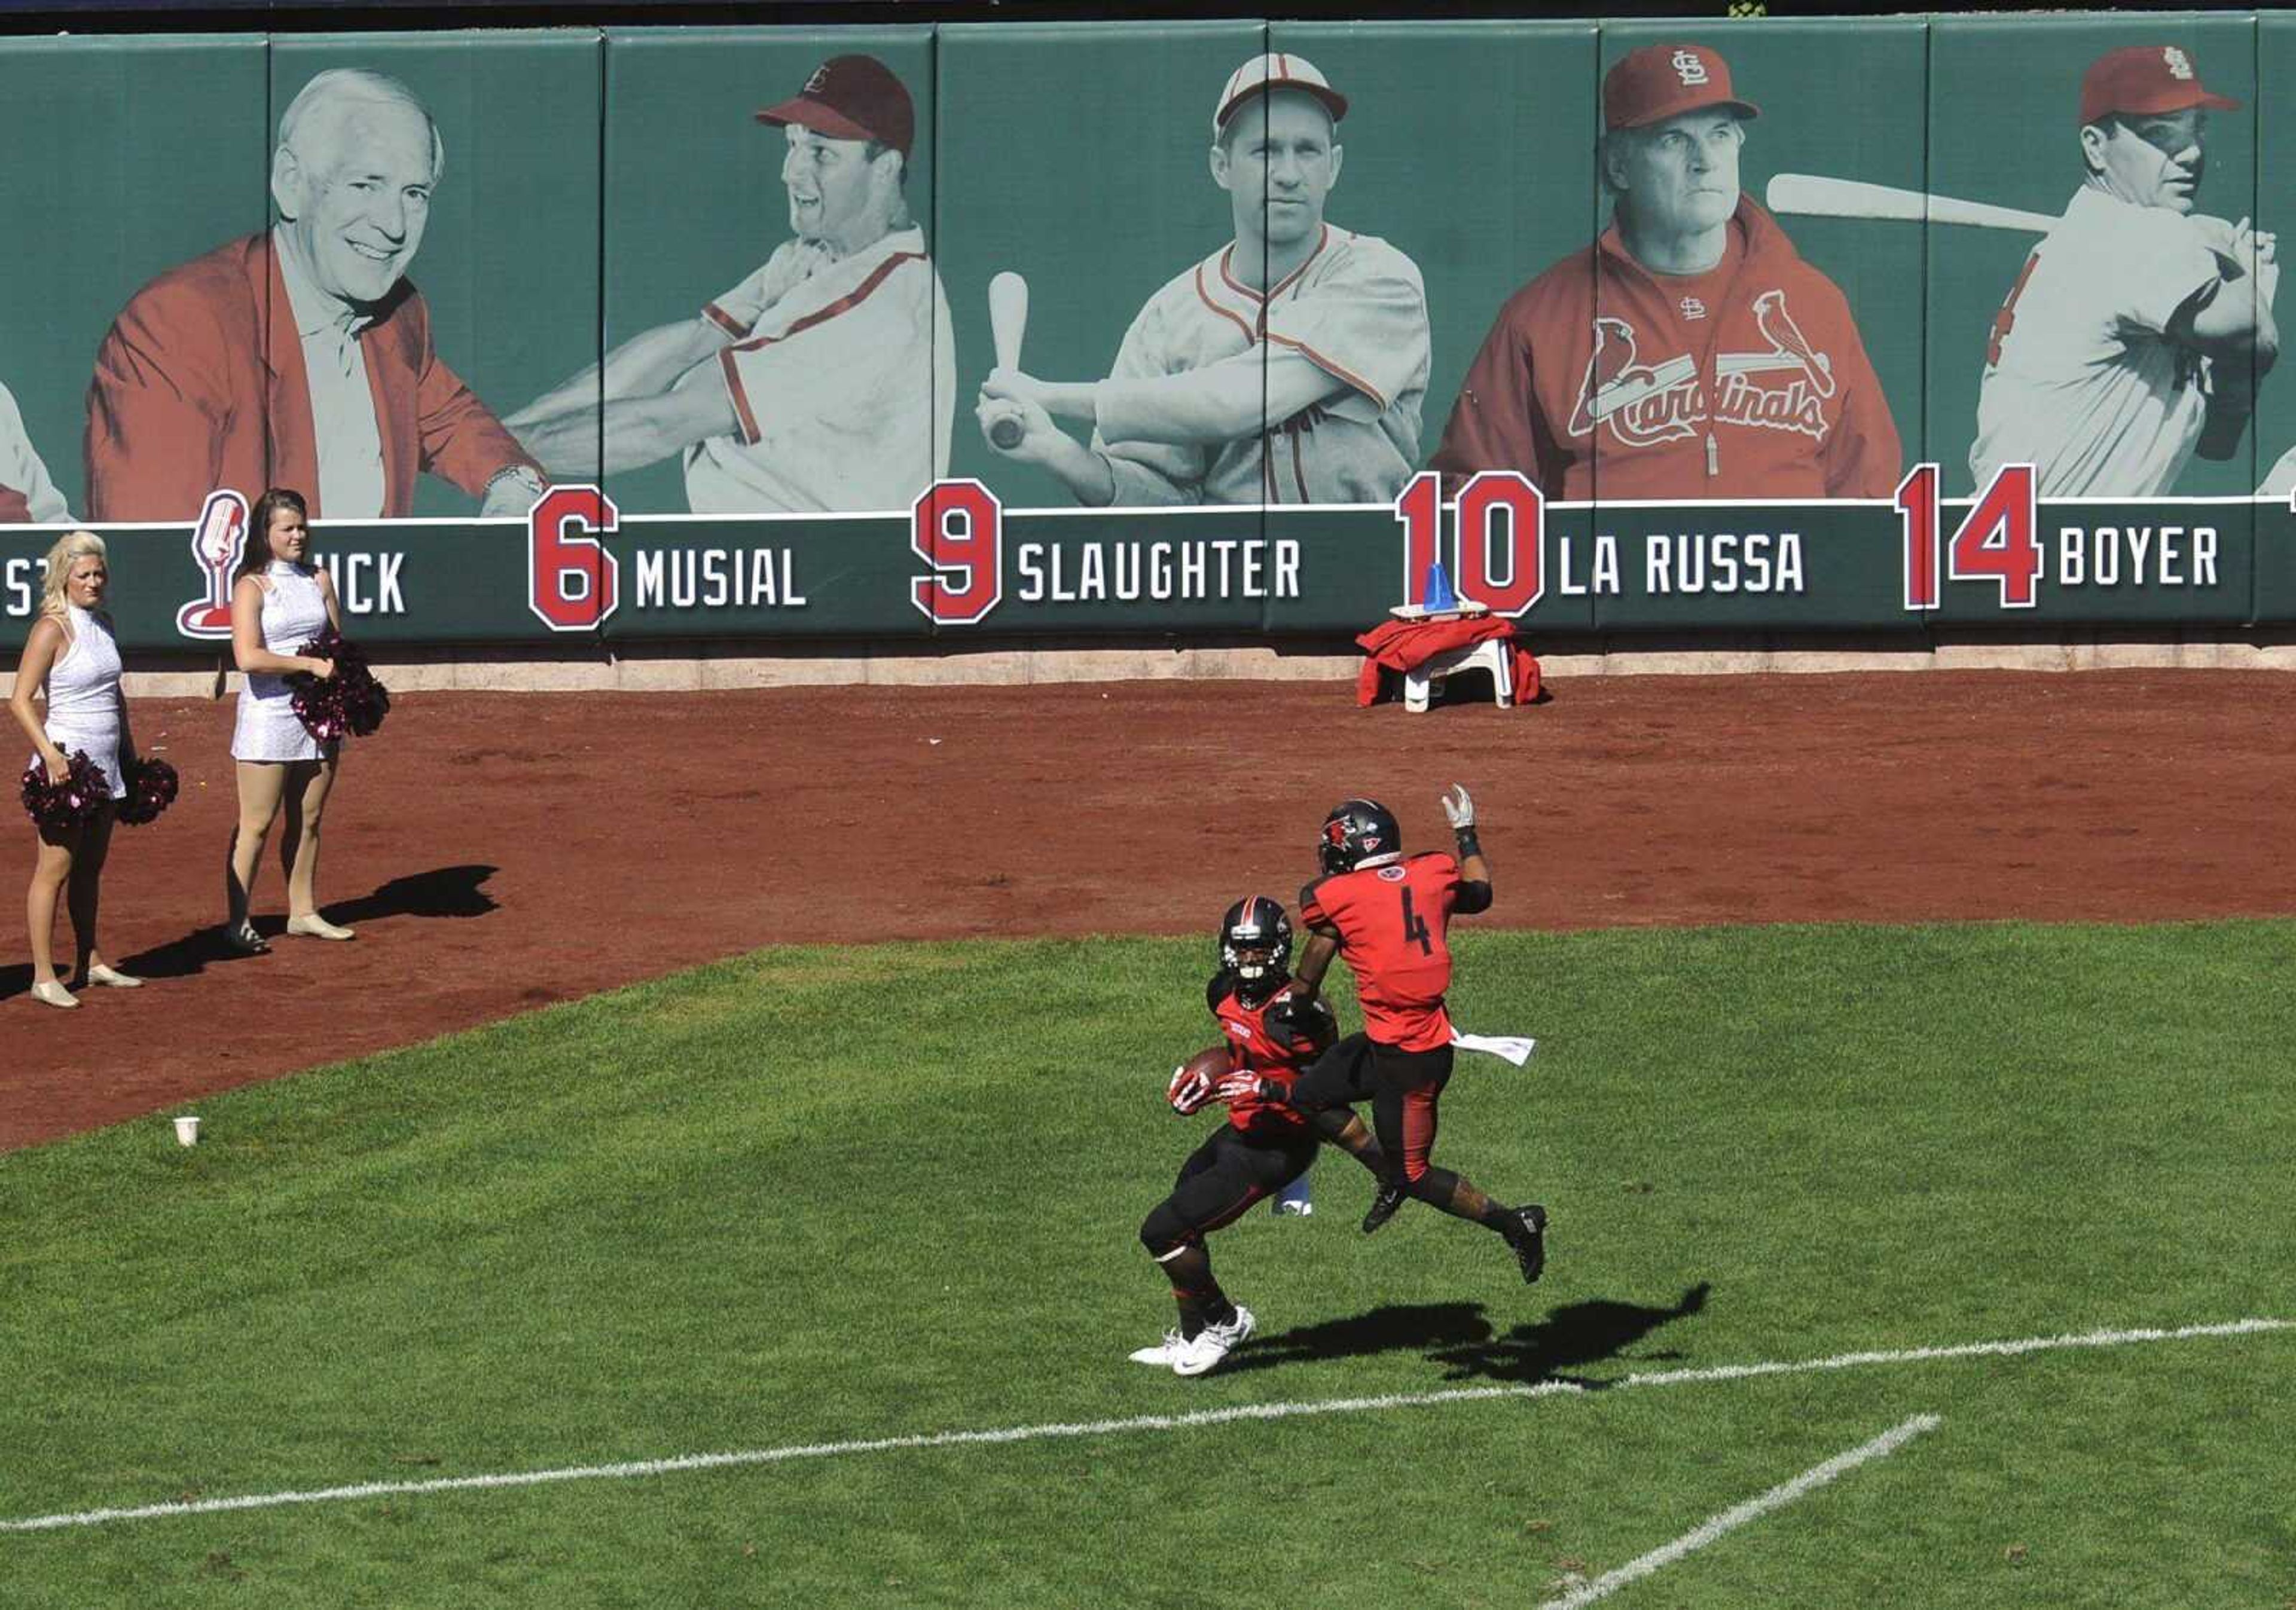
<point>1692,352</point>
<point>1288,367</point>
<point>2135,331</point>
<point>826,383</point>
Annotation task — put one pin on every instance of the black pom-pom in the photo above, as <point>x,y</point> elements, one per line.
<point>351,702</point>
<point>151,787</point>
<point>61,805</point>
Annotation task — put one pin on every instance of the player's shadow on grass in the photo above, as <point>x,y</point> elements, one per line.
<point>1412,1327</point>
<point>1457,1336</point>
<point>1573,1335</point>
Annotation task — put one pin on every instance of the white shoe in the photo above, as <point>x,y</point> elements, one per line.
<point>53,993</point>
<point>112,978</point>
<point>1165,1353</point>
<point>315,926</point>
<point>1213,1343</point>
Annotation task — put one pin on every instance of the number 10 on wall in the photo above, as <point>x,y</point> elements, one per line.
<point>1499,533</point>
<point>1997,540</point>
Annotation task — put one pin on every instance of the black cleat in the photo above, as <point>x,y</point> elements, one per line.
<point>1383,1205</point>
<point>1530,1241</point>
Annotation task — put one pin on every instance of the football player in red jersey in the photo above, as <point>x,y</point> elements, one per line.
<point>1263,1145</point>
<point>1388,916</point>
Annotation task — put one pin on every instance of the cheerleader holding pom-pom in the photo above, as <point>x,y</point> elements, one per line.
<point>351,703</point>
<point>280,606</point>
<point>75,780</point>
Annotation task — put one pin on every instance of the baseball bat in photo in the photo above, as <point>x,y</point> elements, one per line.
<point>1822,196</point>
<point>1008,325</point>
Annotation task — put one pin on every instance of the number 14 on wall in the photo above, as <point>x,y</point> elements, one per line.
<point>1997,540</point>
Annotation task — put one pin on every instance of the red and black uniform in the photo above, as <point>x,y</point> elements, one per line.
<point>1277,1052</point>
<point>1265,1145</point>
<point>1393,924</point>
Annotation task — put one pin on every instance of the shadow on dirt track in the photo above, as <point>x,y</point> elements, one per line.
<point>443,892</point>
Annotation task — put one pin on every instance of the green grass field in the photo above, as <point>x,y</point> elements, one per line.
<point>817,1199</point>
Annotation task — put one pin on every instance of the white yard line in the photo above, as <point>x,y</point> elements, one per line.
<point>1737,1516</point>
<point>1137,1423</point>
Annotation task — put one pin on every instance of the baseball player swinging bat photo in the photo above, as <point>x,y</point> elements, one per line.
<point>1823,196</point>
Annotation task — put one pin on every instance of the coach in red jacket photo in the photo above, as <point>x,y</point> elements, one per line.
<point>302,356</point>
<point>1690,353</point>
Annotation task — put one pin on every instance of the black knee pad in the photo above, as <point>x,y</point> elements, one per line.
<point>1164,1232</point>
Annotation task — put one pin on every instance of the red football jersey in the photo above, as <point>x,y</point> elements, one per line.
<point>1253,1044</point>
<point>1394,924</point>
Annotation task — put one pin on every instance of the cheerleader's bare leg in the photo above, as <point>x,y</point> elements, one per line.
<point>83,888</point>
<point>51,870</point>
<point>309,785</point>
<point>261,785</point>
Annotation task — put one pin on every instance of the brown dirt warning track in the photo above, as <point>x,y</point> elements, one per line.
<point>499,852</point>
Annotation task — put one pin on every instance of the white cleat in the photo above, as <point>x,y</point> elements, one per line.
<point>1293,1201</point>
<point>1165,1353</point>
<point>1213,1343</point>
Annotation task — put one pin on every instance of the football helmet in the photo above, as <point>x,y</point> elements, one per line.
<point>1359,833</point>
<point>1255,944</point>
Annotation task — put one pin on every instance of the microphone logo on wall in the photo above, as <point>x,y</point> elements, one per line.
<point>216,542</point>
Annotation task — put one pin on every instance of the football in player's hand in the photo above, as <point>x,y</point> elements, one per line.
<point>1209,1063</point>
<point>1192,1080</point>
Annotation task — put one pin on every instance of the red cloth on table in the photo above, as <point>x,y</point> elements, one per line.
<point>1400,645</point>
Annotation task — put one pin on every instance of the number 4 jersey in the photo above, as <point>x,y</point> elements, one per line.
<point>1394,924</point>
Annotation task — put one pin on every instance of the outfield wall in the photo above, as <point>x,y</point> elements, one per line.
<point>1768,428</point>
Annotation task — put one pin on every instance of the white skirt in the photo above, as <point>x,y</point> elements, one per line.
<point>269,729</point>
<point>100,738</point>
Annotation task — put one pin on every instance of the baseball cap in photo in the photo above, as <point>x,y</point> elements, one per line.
<point>2145,80</point>
<point>851,98</point>
<point>1661,81</point>
<point>1278,69</point>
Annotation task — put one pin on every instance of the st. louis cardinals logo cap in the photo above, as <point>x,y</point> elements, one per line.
<point>1278,69</point>
<point>851,98</point>
<point>2145,80</point>
<point>1661,81</point>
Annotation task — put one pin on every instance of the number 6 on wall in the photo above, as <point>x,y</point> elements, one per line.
<point>571,582</point>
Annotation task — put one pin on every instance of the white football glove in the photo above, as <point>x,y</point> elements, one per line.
<point>1188,1091</point>
<point>1459,808</point>
<point>1243,1082</point>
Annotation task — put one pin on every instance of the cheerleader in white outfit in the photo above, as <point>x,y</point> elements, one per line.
<point>71,655</point>
<point>279,603</point>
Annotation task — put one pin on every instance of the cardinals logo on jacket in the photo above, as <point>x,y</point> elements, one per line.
<point>1645,404</point>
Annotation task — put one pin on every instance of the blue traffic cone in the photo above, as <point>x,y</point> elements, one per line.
<point>1437,594</point>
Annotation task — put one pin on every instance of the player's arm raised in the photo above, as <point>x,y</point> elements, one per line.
<point>1474,872</point>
